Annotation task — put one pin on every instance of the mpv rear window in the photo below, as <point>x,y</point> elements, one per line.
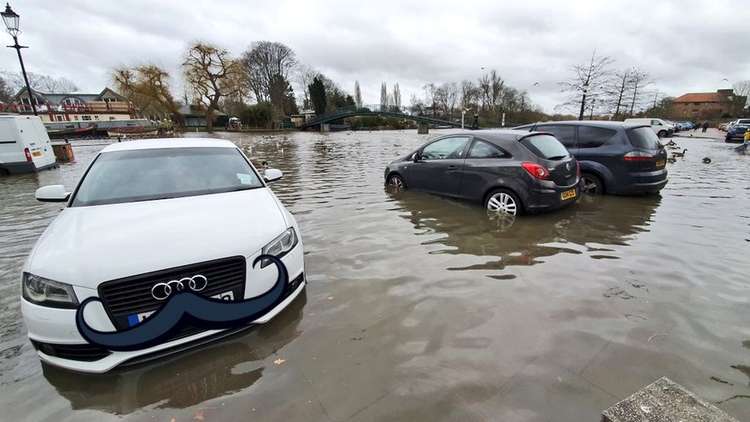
<point>545,146</point>
<point>643,137</point>
<point>593,137</point>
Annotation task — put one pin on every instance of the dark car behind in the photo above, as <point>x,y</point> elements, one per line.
<point>615,157</point>
<point>509,171</point>
<point>736,133</point>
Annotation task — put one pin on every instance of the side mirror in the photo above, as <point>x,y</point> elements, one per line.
<point>272,175</point>
<point>52,193</point>
<point>416,157</point>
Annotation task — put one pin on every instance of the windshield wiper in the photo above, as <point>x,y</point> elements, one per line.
<point>557,157</point>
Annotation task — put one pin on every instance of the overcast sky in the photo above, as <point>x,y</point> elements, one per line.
<point>684,45</point>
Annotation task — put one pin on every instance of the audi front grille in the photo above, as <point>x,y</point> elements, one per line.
<point>126,297</point>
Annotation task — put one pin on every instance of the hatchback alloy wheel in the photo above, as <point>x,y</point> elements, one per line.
<point>502,202</point>
<point>396,182</point>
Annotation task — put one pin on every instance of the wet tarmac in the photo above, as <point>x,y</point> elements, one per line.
<point>423,308</point>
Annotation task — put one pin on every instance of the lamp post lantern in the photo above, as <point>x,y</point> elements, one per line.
<point>10,18</point>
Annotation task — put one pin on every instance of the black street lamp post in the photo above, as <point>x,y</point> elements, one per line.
<point>11,23</point>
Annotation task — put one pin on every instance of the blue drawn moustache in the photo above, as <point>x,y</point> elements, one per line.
<point>187,308</point>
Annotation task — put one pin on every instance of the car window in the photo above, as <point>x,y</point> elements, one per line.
<point>149,174</point>
<point>545,146</point>
<point>593,137</point>
<point>482,149</point>
<point>644,138</point>
<point>564,133</point>
<point>655,123</point>
<point>447,148</point>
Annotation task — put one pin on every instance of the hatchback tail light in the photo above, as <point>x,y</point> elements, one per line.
<point>638,156</point>
<point>536,171</point>
<point>27,153</point>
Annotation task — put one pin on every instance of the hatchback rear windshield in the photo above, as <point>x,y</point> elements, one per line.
<point>148,174</point>
<point>643,138</point>
<point>545,146</point>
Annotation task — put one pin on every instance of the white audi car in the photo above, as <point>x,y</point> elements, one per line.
<point>145,216</point>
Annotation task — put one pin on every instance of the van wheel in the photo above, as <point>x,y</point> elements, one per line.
<point>503,201</point>
<point>662,133</point>
<point>591,184</point>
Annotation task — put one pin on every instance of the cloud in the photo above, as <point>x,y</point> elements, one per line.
<point>684,45</point>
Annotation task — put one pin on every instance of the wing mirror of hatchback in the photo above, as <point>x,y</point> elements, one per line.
<point>52,193</point>
<point>272,175</point>
<point>416,157</point>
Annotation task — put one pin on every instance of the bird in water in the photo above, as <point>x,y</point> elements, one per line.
<point>679,154</point>
<point>706,160</point>
<point>671,143</point>
<point>671,160</point>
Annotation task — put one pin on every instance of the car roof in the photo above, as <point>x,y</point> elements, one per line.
<point>169,143</point>
<point>503,134</point>
<point>598,123</point>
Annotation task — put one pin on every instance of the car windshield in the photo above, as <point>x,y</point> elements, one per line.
<point>545,146</point>
<point>149,174</point>
<point>644,138</point>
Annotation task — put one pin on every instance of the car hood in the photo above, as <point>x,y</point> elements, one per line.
<point>85,246</point>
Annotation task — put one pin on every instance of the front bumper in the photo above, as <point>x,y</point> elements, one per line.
<point>54,331</point>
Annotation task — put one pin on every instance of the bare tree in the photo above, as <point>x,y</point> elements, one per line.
<point>587,81</point>
<point>357,95</point>
<point>742,88</point>
<point>617,90</point>
<point>212,74</point>
<point>451,97</point>
<point>469,94</point>
<point>485,91</point>
<point>267,65</point>
<point>39,82</point>
<point>397,96</point>
<point>638,81</point>
<point>383,97</point>
<point>429,93</point>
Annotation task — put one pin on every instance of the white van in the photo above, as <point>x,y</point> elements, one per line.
<point>24,145</point>
<point>661,127</point>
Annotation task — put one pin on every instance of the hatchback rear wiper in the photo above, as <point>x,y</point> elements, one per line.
<point>557,157</point>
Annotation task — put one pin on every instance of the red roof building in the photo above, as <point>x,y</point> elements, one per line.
<point>709,105</point>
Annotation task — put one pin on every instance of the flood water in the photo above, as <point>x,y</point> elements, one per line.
<point>423,308</point>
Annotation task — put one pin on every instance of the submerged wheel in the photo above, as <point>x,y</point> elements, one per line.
<point>591,185</point>
<point>397,182</point>
<point>662,133</point>
<point>503,201</point>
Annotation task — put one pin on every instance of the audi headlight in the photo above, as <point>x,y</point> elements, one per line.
<point>279,247</point>
<point>46,292</point>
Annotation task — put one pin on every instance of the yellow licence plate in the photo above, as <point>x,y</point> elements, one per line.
<point>37,153</point>
<point>660,163</point>
<point>568,194</point>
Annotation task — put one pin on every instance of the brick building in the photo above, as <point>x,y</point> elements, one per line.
<point>709,105</point>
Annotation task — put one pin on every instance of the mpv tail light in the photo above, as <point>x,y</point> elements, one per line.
<point>535,170</point>
<point>638,156</point>
<point>27,153</point>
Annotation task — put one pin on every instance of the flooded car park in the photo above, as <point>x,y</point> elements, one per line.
<point>425,308</point>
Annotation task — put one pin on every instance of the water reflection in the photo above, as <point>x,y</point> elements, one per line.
<point>188,378</point>
<point>464,228</point>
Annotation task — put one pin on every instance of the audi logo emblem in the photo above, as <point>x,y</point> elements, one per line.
<point>196,283</point>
